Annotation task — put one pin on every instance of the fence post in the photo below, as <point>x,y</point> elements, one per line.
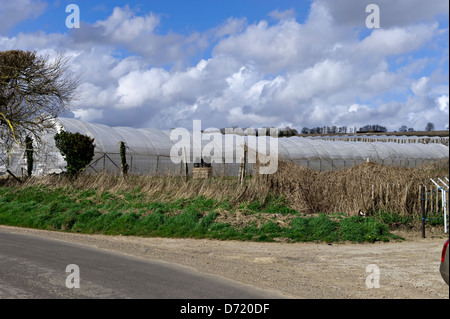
<point>157,165</point>
<point>186,164</point>
<point>430,206</point>
<point>423,211</point>
<point>14,176</point>
<point>242,166</point>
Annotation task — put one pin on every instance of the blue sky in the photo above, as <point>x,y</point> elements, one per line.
<point>247,63</point>
<point>177,16</point>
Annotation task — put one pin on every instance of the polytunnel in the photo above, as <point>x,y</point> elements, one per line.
<point>157,152</point>
<point>401,139</point>
<point>327,155</point>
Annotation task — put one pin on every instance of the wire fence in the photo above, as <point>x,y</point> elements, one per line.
<point>145,164</point>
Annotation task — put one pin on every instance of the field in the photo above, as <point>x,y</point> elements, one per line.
<point>295,204</point>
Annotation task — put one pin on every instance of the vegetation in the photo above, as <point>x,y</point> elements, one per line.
<point>294,204</point>
<point>33,90</point>
<point>123,159</point>
<point>128,213</point>
<point>77,149</point>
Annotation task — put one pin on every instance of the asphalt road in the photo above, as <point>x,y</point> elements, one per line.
<point>35,267</point>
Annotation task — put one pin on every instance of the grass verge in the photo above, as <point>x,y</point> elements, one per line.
<point>129,213</point>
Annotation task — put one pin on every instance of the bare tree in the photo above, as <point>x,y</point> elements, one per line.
<point>33,90</point>
<point>305,130</point>
<point>429,127</point>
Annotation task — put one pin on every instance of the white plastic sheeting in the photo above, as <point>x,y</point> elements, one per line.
<point>334,155</point>
<point>402,139</point>
<point>46,157</point>
<point>149,150</point>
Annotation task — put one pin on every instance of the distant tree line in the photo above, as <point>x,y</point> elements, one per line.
<point>367,128</point>
<point>428,128</point>
<point>288,131</point>
<point>343,129</point>
<point>373,128</point>
<point>263,131</point>
<point>404,129</point>
<point>328,130</point>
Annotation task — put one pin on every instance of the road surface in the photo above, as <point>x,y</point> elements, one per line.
<point>35,267</point>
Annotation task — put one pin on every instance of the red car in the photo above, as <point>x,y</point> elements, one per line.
<point>444,262</point>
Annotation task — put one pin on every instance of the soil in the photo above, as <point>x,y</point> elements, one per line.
<point>409,269</point>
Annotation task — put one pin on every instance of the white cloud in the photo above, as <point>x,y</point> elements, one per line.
<point>324,77</point>
<point>14,12</point>
<point>385,42</point>
<point>229,27</point>
<point>420,87</point>
<point>399,13</point>
<point>283,15</point>
<point>124,27</point>
<point>267,73</point>
<point>442,103</point>
<point>137,87</point>
<point>237,114</point>
<point>88,114</point>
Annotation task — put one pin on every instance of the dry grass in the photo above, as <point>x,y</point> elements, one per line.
<point>154,188</point>
<point>368,187</point>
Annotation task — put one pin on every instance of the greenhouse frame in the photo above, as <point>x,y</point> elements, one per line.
<point>151,151</point>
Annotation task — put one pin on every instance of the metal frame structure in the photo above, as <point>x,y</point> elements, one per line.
<point>443,187</point>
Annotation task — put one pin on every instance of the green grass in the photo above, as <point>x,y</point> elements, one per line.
<point>95,212</point>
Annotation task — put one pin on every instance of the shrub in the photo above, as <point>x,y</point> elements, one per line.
<point>77,149</point>
<point>123,158</point>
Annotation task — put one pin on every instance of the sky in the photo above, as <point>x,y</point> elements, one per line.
<point>246,63</point>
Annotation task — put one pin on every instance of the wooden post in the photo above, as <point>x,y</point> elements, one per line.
<point>14,176</point>
<point>381,194</point>
<point>387,193</point>
<point>420,198</point>
<point>245,163</point>
<point>423,198</point>
<point>242,166</point>
<point>157,165</point>
<point>406,196</point>
<point>186,165</point>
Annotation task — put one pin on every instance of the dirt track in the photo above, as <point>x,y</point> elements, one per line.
<point>408,269</point>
